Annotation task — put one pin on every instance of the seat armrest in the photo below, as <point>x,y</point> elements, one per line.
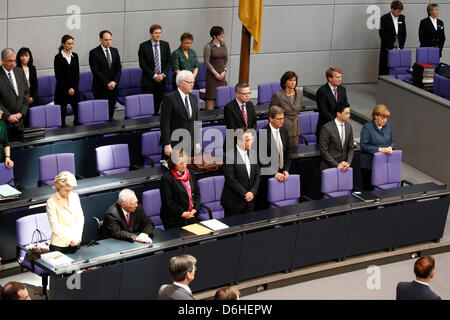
<point>207,209</point>
<point>403,182</point>
<point>304,139</point>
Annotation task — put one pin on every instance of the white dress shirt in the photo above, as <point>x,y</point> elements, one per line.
<point>275,134</point>
<point>68,57</point>
<point>395,20</point>
<point>104,51</point>
<point>341,129</point>
<point>159,56</point>
<point>421,282</point>
<point>13,78</point>
<point>125,213</point>
<point>434,22</point>
<point>240,107</point>
<point>332,89</point>
<point>244,156</point>
<point>183,98</point>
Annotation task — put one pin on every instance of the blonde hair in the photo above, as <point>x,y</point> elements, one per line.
<point>64,178</point>
<point>381,110</point>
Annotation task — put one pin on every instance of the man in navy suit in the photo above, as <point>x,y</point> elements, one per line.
<point>431,29</point>
<point>392,33</point>
<point>106,68</point>
<point>419,289</point>
<point>328,96</point>
<point>154,60</point>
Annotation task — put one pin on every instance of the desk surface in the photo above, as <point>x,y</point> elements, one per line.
<point>110,250</point>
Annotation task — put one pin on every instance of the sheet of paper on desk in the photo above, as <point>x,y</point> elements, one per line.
<point>197,229</point>
<point>214,224</point>
<point>7,191</point>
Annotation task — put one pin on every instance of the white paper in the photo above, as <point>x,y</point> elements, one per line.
<point>214,224</point>
<point>56,258</point>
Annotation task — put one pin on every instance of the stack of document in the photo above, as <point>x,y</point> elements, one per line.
<point>56,258</point>
<point>7,192</point>
<point>211,225</point>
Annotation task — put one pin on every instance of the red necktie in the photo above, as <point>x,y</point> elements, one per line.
<point>335,93</point>
<point>244,115</point>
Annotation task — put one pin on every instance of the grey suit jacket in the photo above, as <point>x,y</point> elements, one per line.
<point>9,100</point>
<point>331,148</point>
<point>173,292</point>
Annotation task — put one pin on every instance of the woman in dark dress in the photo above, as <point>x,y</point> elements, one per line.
<point>180,195</point>
<point>24,60</point>
<point>67,73</point>
<point>216,61</point>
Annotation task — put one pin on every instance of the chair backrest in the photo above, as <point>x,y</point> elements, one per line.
<point>211,191</point>
<point>399,62</point>
<point>112,159</point>
<point>26,226</point>
<point>308,124</point>
<point>130,82</point>
<point>197,93</point>
<point>139,106</point>
<point>151,202</point>
<point>441,86</point>
<point>336,183</point>
<point>93,111</point>
<point>46,116</point>
<point>6,175</point>
<point>428,55</point>
<point>261,124</point>
<point>85,86</point>
<point>387,170</point>
<point>224,95</point>
<point>266,91</point>
<point>283,193</point>
<point>200,80</point>
<point>51,165</point>
<point>151,149</point>
<point>213,138</point>
<point>169,81</point>
<point>46,89</point>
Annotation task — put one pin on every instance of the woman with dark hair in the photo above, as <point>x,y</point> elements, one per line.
<point>216,61</point>
<point>24,60</point>
<point>290,100</point>
<point>180,195</point>
<point>67,73</point>
<point>376,136</point>
<point>185,58</point>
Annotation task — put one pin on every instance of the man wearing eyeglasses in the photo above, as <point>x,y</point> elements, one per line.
<point>179,111</point>
<point>240,112</point>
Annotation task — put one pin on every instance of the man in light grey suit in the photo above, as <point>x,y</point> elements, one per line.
<point>182,269</point>
<point>14,93</point>
<point>336,141</point>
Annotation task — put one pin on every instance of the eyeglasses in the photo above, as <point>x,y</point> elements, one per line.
<point>245,93</point>
<point>189,82</point>
<point>279,119</point>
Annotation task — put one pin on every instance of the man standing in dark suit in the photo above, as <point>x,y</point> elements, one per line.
<point>14,94</point>
<point>419,289</point>
<point>242,176</point>
<point>126,220</point>
<point>328,96</point>
<point>392,33</point>
<point>182,268</point>
<point>106,68</point>
<point>275,158</point>
<point>154,60</point>
<point>179,111</point>
<point>240,112</point>
<point>431,29</point>
<point>336,141</point>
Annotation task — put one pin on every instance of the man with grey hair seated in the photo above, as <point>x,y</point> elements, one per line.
<point>126,220</point>
<point>182,268</point>
<point>179,111</point>
<point>14,94</point>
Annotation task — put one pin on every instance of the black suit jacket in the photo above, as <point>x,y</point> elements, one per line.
<point>265,136</point>
<point>33,83</point>
<point>234,118</point>
<point>174,116</point>
<point>331,149</point>
<point>67,76</point>
<point>101,72</point>
<point>429,36</point>
<point>327,104</point>
<point>9,100</point>
<point>115,225</point>
<point>147,61</point>
<point>238,183</point>
<point>175,200</point>
<point>415,291</point>
<point>387,31</point>
<point>174,292</point>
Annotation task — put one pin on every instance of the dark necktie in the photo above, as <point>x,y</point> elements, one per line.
<point>157,66</point>
<point>186,105</point>
<point>244,115</point>
<point>108,58</point>
<point>335,93</point>
<point>12,82</point>
<point>128,218</point>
